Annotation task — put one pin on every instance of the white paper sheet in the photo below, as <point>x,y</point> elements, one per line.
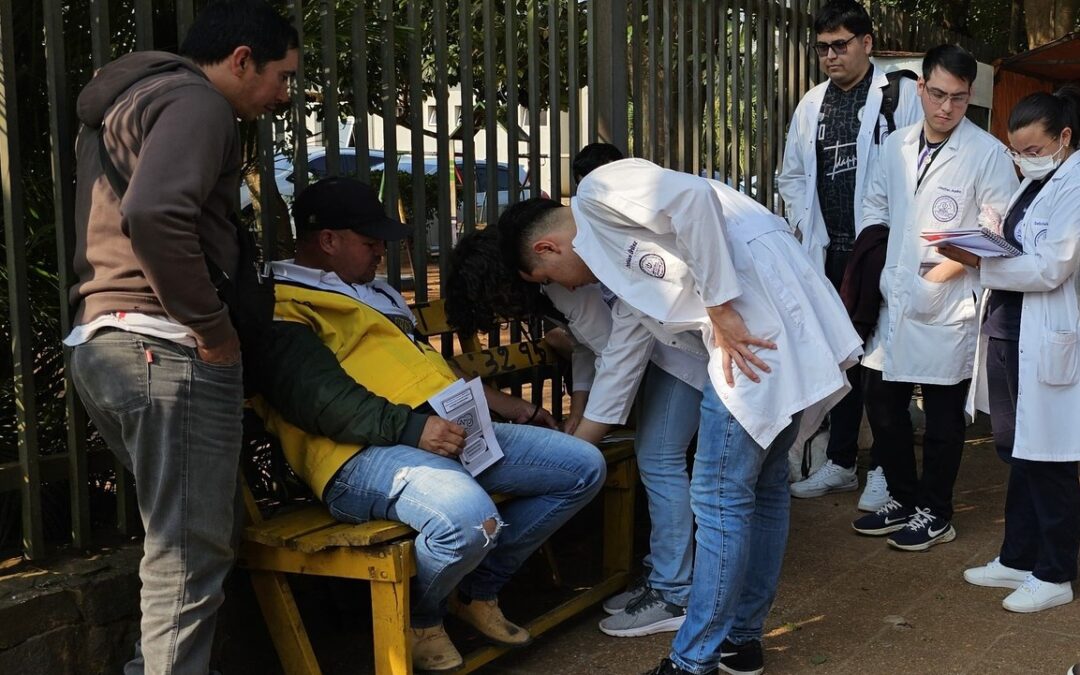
<point>464,404</point>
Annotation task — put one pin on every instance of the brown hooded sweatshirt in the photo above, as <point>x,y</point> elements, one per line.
<point>174,137</point>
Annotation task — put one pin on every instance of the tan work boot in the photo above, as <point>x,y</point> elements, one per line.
<point>486,617</point>
<point>432,649</point>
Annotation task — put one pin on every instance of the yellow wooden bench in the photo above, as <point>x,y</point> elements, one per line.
<point>309,541</point>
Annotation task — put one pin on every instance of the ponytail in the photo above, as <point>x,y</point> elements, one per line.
<point>1054,112</point>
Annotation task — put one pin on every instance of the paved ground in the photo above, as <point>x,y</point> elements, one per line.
<point>847,605</point>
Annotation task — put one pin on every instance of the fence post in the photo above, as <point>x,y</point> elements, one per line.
<point>22,348</point>
<point>611,84</point>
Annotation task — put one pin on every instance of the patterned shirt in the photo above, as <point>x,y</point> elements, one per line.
<point>837,159</point>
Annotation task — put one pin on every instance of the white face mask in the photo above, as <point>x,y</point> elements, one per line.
<point>1037,168</point>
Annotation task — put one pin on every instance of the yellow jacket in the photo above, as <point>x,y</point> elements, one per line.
<point>372,350</point>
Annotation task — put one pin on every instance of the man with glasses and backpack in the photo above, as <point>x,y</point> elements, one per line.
<point>832,142</point>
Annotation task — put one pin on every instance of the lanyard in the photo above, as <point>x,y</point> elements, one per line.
<point>924,145</point>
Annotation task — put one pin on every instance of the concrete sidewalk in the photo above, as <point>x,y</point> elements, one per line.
<point>851,605</point>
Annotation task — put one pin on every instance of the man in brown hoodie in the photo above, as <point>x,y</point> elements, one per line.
<point>156,359</point>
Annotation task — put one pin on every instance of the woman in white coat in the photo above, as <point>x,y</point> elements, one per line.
<point>1028,364</point>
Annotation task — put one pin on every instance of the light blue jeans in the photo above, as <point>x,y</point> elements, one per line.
<point>175,423</point>
<point>740,498</point>
<point>553,475</point>
<point>669,418</point>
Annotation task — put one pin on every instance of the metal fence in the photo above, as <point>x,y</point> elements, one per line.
<point>700,86</point>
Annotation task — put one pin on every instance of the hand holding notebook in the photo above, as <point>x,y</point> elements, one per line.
<point>980,241</point>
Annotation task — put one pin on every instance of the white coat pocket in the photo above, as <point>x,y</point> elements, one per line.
<point>1058,358</point>
<point>928,300</point>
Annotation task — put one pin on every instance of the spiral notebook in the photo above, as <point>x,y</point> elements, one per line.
<point>978,240</point>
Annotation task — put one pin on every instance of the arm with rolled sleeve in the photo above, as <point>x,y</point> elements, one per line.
<point>619,368</point>
<point>1056,259</point>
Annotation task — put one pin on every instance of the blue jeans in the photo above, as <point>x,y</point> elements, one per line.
<point>739,493</point>
<point>552,474</point>
<point>670,411</point>
<point>175,423</point>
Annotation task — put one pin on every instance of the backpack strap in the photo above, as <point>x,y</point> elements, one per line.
<point>890,99</point>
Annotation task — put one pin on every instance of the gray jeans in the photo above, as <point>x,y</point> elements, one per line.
<point>175,423</point>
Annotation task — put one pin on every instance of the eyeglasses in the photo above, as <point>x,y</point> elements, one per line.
<point>839,47</point>
<point>1030,155</point>
<point>938,97</point>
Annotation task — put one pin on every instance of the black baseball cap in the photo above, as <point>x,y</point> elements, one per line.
<point>340,203</point>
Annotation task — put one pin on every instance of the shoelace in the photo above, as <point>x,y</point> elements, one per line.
<point>1030,584</point>
<point>893,505</point>
<point>921,519</point>
<point>644,601</point>
<point>876,480</point>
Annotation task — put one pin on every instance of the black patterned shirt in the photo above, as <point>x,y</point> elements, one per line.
<point>837,160</point>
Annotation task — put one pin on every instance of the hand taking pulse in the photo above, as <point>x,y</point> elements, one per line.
<point>732,337</point>
<point>442,437</point>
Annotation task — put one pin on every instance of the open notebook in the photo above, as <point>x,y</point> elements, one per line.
<point>979,240</point>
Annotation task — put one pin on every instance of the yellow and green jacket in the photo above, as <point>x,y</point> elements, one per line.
<point>341,376</point>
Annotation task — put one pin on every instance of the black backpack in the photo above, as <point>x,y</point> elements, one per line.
<point>890,98</point>
<point>249,294</point>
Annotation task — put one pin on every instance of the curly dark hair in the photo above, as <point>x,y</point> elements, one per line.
<point>481,291</point>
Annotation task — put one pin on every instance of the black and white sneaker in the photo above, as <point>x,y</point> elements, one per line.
<point>744,659</point>
<point>646,615</point>
<point>668,667</point>
<point>889,518</point>
<point>922,531</point>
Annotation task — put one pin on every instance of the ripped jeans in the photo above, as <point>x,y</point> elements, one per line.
<point>552,474</point>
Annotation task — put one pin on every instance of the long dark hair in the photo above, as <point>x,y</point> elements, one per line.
<point>481,291</point>
<point>1054,112</point>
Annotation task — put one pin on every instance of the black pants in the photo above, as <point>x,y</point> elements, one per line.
<point>1042,504</point>
<point>846,416</point>
<point>894,442</point>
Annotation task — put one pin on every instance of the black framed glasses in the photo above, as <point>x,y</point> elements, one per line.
<point>839,47</point>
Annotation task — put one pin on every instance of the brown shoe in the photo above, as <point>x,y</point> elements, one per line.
<point>486,617</point>
<point>432,649</point>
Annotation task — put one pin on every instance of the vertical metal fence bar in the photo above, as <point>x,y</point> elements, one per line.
<point>638,79</point>
<point>722,87</point>
<point>710,89</point>
<point>416,123</point>
<point>63,179</point>
<point>696,83</point>
<point>762,58</point>
<point>22,336</point>
<point>144,24</point>
<point>267,186</point>
<point>590,68</point>
<point>388,98</point>
<point>573,107</point>
<point>682,79</point>
<point>555,95</point>
<point>786,39</point>
<point>512,109</point>
<point>467,129</point>
<point>532,28</point>
<point>737,17</point>
<point>442,147</point>
<point>491,122</point>
<point>360,92</point>
<point>100,52</point>
<point>331,134</point>
<point>774,111</point>
<point>668,115</point>
<point>185,15</point>
<point>654,90</point>
<point>299,105</point>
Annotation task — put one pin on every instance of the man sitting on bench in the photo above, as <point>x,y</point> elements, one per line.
<point>347,383</point>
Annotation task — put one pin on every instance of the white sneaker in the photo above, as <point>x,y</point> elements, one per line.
<point>1034,595</point>
<point>829,478</point>
<point>876,493</point>
<point>996,575</point>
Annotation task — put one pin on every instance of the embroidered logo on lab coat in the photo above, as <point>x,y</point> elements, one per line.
<point>945,208</point>
<point>653,265</point>
<point>1040,228</point>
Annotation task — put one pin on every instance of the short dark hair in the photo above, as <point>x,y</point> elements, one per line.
<point>1054,111</point>
<point>481,291</point>
<point>843,14</point>
<point>594,155</point>
<point>225,25</point>
<point>953,59</point>
<point>518,225</point>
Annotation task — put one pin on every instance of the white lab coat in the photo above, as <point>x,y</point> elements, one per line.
<point>613,348</point>
<point>927,332</point>
<point>1048,399</point>
<point>797,182</point>
<point>669,244</point>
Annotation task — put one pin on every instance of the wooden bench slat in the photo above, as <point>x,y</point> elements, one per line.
<point>502,359</point>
